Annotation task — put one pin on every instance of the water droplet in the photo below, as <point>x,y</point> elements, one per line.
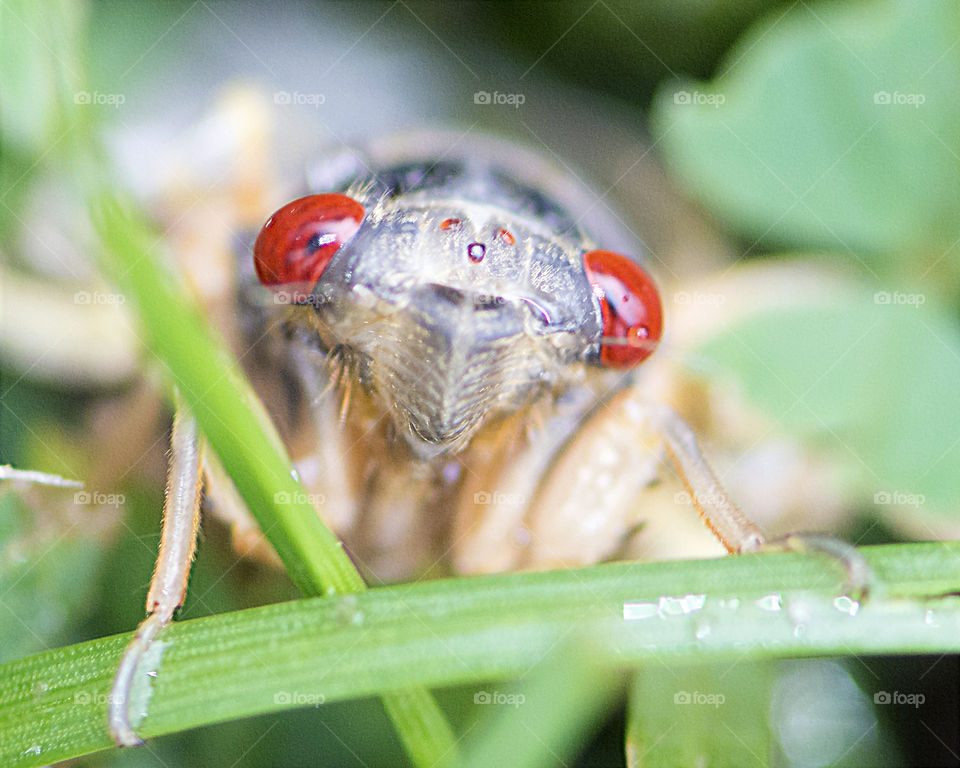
<point>773,602</point>
<point>34,750</point>
<point>800,612</point>
<point>845,605</point>
<point>638,611</point>
<point>799,630</point>
<point>929,619</point>
<point>704,630</point>
<point>679,606</point>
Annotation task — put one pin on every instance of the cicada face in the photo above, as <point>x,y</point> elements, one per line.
<point>456,295</point>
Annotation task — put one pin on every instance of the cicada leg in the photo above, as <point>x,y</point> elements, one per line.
<point>168,587</point>
<point>568,497</point>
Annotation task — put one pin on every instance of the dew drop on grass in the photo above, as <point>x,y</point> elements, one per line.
<point>773,602</point>
<point>845,605</point>
<point>680,606</point>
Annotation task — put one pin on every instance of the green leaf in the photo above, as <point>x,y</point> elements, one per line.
<point>802,712</point>
<point>544,719</point>
<point>700,715</point>
<point>40,75</point>
<point>871,379</point>
<point>796,142</point>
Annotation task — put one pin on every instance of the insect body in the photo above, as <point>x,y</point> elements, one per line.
<point>470,321</point>
<point>481,341</point>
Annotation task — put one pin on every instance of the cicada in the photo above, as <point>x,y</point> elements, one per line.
<point>449,333</point>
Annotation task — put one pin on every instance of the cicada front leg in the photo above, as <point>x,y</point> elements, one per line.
<point>168,587</point>
<point>568,498</point>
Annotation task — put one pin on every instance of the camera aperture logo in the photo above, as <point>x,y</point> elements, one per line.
<point>506,499</point>
<point>699,98</point>
<point>700,499</point>
<point>92,698</point>
<point>696,697</point>
<point>313,499</point>
<point>99,499</point>
<point>914,700</point>
<point>698,299</point>
<point>900,498</point>
<point>496,697</point>
<point>486,98</point>
<point>898,99</point>
<point>899,298</point>
<point>299,698</point>
<point>86,297</point>
<point>295,98</point>
<point>96,98</point>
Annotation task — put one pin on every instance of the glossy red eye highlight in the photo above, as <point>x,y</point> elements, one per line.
<point>299,240</point>
<point>630,307</point>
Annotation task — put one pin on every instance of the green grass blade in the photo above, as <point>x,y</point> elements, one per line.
<point>233,420</point>
<point>477,630</point>
<point>544,719</point>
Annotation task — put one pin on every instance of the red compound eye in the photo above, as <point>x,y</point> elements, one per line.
<point>298,242</point>
<point>630,306</point>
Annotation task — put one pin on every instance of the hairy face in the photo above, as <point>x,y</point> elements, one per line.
<point>456,298</point>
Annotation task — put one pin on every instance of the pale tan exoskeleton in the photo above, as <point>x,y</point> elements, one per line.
<point>450,352</point>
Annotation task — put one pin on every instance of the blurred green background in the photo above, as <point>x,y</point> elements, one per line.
<point>730,133</point>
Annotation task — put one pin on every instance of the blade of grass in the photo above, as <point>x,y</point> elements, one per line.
<point>53,705</point>
<point>236,425</point>
<point>544,719</point>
